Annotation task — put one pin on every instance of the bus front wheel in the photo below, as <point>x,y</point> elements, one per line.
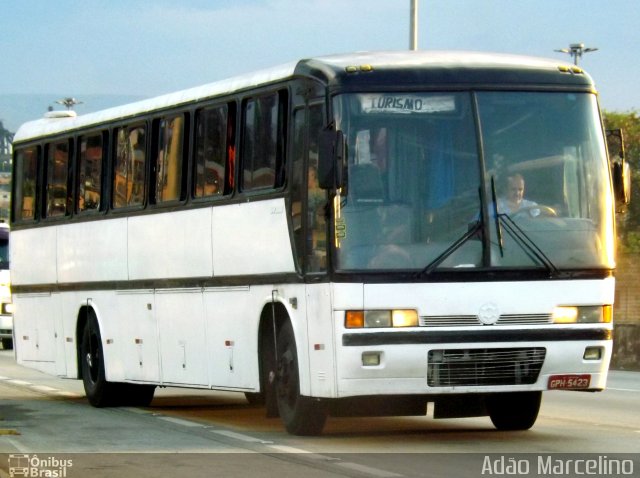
<point>135,395</point>
<point>301,415</point>
<point>515,410</point>
<point>100,393</point>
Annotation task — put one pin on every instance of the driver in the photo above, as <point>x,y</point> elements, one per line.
<point>514,200</point>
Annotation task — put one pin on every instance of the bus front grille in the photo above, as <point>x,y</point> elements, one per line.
<point>472,320</point>
<point>478,367</point>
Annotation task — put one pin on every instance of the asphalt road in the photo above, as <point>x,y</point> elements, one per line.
<point>203,433</point>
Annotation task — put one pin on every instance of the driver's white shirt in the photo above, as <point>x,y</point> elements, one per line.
<point>503,205</point>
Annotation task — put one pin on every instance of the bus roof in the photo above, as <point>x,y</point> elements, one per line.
<point>401,68</point>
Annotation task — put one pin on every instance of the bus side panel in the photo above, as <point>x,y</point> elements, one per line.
<point>71,305</point>
<point>251,238</point>
<point>29,247</point>
<point>321,344</point>
<point>182,334</point>
<point>170,245</point>
<point>136,334</point>
<point>92,251</point>
<point>37,322</point>
<point>232,315</point>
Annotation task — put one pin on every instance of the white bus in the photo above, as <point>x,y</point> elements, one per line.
<point>347,235</point>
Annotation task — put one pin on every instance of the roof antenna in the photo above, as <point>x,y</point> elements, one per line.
<point>69,102</point>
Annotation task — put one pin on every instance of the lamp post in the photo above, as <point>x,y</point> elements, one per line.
<point>576,50</point>
<point>413,33</point>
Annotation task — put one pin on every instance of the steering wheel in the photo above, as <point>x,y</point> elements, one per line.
<point>538,210</point>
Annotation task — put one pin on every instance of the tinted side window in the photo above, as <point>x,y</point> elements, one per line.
<point>57,178</point>
<point>263,142</point>
<point>169,159</point>
<point>129,175</point>
<point>316,197</point>
<point>90,173</point>
<point>26,175</point>
<point>210,151</point>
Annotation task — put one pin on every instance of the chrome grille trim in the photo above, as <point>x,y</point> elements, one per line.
<point>472,320</point>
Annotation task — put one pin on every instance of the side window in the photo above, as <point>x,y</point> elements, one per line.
<point>297,184</point>
<point>312,247</point>
<point>169,160</point>
<point>26,176</point>
<point>214,151</point>
<point>263,144</point>
<point>316,198</point>
<point>57,178</point>
<point>90,173</point>
<point>129,175</point>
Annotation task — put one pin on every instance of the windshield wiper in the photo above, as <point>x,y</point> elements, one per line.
<point>496,217</point>
<point>526,243</point>
<point>473,230</point>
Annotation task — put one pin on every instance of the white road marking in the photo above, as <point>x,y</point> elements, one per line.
<point>367,470</point>
<point>179,421</point>
<point>240,436</point>
<point>288,449</point>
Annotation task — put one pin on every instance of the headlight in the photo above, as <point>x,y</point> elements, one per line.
<point>582,314</point>
<point>380,318</point>
<point>7,308</point>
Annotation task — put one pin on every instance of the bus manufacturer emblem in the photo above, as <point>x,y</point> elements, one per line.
<point>489,314</point>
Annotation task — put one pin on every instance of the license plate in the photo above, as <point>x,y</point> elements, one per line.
<point>569,382</point>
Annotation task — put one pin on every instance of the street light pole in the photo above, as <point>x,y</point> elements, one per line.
<point>413,34</point>
<point>576,50</point>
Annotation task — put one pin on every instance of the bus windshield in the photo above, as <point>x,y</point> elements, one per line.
<point>473,180</point>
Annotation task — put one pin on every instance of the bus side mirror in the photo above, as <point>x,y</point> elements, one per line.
<point>621,176</point>
<point>620,170</point>
<point>331,161</point>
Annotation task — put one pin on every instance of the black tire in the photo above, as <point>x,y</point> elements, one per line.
<point>255,399</point>
<point>300,415</point>
<point>514,411</point>
<point>100,393</point>
<point>7,344</point>
<point>135,395</point>
<point>268,372</point>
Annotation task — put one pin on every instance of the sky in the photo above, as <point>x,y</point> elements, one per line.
<point>151,47</point>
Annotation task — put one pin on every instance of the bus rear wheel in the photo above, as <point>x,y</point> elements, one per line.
<point>100,393</point>
<point>515,410</point>
<point>301,415</point>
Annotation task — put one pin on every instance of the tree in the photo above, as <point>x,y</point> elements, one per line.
<point>628,221</point>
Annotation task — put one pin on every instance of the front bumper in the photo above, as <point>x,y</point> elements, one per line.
<point>470,361</point>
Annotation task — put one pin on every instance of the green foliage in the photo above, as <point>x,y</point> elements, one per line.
<point>629,220</point>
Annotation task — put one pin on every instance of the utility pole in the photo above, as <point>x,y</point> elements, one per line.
<point>413,34</point>
<point>576,50</point>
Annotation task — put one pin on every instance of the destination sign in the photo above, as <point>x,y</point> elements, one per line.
<point>407,104</point>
